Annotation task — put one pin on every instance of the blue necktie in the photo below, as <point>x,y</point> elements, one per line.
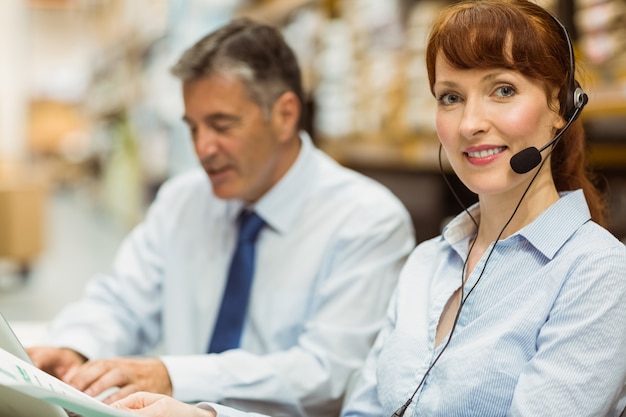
<point>227,332</point>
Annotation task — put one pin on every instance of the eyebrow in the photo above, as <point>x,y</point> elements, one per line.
<point>492,75</point>
<point>215,117</point>
<point>488,77</point>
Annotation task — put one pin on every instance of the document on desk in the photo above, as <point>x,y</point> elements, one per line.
<point>26,391</point>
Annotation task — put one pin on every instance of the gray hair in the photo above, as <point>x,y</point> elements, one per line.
<point>254,52</point>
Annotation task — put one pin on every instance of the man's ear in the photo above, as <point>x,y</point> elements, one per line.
<point>286,115</point>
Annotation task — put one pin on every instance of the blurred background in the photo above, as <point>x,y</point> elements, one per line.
<point>90,118</point>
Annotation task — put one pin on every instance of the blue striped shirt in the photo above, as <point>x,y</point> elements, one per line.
<point>542,334</point>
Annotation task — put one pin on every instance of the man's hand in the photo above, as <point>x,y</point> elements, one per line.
<point>55,361</point>
<point>157,405</point>
<point>130,375</point>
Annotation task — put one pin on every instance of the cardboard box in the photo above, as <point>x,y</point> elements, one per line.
<point>22,216</point>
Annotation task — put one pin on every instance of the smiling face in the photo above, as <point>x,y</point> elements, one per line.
<point>243,151</point>
<point>484,117</point>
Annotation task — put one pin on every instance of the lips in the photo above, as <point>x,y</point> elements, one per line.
<point>216,171</point>
<point>217,174</point>
<point>484,153</point>
<point>211,167</point>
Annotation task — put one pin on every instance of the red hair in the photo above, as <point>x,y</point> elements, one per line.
<point>521,36</point>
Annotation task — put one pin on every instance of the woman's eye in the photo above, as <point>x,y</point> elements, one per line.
<point>448,98</point>
<point>505,91</point>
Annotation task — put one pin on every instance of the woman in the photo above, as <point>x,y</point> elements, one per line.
<point>539,302</point>
<point>535,323</point>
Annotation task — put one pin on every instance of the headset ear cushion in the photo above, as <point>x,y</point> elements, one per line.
<point>580,97</point>
<point>577,100</point>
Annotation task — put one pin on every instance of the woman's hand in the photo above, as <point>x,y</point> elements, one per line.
<point>158,405</point>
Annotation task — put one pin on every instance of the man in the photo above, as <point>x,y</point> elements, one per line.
<point>329,249</point>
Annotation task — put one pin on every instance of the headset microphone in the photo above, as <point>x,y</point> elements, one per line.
<point>527,159</point>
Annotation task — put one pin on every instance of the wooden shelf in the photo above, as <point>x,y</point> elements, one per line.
<point>414,155</point>
<point>422,155</point>
<point>606,101</point>
<point>611,156</point>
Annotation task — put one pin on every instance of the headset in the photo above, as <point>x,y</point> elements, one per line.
<point>527,159</point>
<point>521,163</point>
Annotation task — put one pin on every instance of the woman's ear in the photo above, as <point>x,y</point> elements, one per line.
<point>559,121</point>
<point>286,115</point>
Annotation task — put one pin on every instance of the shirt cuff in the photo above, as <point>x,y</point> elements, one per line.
<point>190,375</point>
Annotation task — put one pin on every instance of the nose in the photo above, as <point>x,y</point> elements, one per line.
<point>474,121</point>
<point>206,143</point>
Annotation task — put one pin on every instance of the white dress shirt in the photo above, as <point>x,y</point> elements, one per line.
<point>326,265</point>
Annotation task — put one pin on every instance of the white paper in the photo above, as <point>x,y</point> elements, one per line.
<point>26,391</point>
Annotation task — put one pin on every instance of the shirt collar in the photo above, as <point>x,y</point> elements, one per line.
<point>462,226</point>
<point>279,206</point>
<point>558,223</point>
<point>569,213</point>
